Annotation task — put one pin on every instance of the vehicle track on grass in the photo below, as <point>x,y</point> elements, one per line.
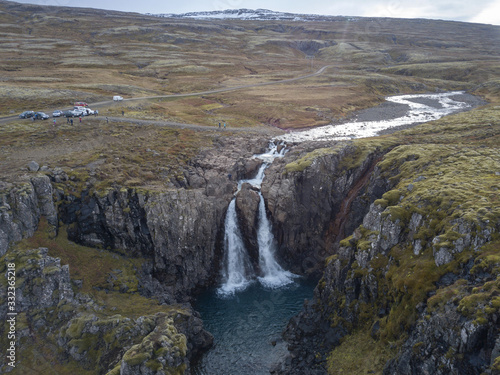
<point>225,89</point>
<point>269,130</point>
<point>4,120</point>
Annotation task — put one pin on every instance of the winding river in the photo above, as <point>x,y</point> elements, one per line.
<point>397,112</point>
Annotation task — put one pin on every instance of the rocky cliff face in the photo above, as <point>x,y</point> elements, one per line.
<point>315,195</point>
<point>420,274</point>
<point>21,207</point>
<point>176,230</point>
<point>247,208</point>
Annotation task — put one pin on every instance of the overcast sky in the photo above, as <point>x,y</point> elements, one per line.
<point>482,11</point>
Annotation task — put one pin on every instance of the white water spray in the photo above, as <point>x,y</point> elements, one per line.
<point>238,272</point>
<point>273,275</point>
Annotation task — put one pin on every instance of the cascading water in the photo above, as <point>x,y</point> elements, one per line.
<point>247,325</point>
<point>237,268</point>
<point>238,272</point>
<point>273,275</point>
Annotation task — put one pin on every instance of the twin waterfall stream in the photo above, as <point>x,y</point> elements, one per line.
<point>238,272</point>
<point>247,313</point>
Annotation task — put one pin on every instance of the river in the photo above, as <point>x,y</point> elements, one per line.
<point>397,112</point>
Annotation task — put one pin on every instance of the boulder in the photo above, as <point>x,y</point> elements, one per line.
<point>33,166</point>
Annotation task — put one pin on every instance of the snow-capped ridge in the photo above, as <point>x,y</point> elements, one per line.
<point>251,14</point>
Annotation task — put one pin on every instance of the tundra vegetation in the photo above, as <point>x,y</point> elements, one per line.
<point>447,172</point>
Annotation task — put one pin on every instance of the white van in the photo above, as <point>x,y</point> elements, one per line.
<point>117,98</point>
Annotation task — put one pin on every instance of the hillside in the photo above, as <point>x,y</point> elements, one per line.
<point>120,222</point>
<point>53,56</point>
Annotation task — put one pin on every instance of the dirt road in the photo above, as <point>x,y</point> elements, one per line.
<point>4,120</point>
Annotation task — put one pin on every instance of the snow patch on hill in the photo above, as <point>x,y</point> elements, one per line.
<point>254,14</point>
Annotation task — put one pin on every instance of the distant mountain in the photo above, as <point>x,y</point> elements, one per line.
<point>253,14</point>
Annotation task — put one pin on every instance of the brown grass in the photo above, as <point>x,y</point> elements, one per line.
<point>89,55</point>
<point>92,55</point>
<point>107,153</point>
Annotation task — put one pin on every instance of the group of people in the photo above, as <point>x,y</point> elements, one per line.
<point>220,125</point>
<point>69,120</point>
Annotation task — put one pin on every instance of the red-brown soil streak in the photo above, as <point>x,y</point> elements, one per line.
<point>336,231</point>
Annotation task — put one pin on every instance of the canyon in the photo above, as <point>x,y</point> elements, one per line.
<point>114,231</point>
<point>368,216</point>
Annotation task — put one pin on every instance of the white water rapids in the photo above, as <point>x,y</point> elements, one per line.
<point>418,113</point>
<point>238,272</point>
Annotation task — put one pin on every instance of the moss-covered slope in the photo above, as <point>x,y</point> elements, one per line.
<point>415,286</point>
<point>94,323</point>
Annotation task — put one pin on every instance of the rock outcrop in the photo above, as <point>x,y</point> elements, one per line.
<point>21,207</point>
<point>85,331</point>
<point>305,192</point>
<point>420,274</point>
<point>247,209</point>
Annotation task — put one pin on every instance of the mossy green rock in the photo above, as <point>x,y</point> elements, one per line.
<point>161,351</point>
<point>421,273</point>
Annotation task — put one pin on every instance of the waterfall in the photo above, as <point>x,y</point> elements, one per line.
<point>273,275</point>
<point>237,271</point>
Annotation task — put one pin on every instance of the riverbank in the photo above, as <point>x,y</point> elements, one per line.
<point>471,101</point>
<point>396,113</point>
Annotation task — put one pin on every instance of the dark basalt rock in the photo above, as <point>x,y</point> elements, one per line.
<point>22,206</point>
<point>304,205</point>
<point>247,209</point>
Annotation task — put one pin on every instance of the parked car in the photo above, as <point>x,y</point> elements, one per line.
<point>84,111</point>
<point>117,98</point>
<point>79,111</point>
<point>81,104</point>
<point>40,116</point>
<point>27,114</point>
<point>57,113</point>
<point>71,113</point>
